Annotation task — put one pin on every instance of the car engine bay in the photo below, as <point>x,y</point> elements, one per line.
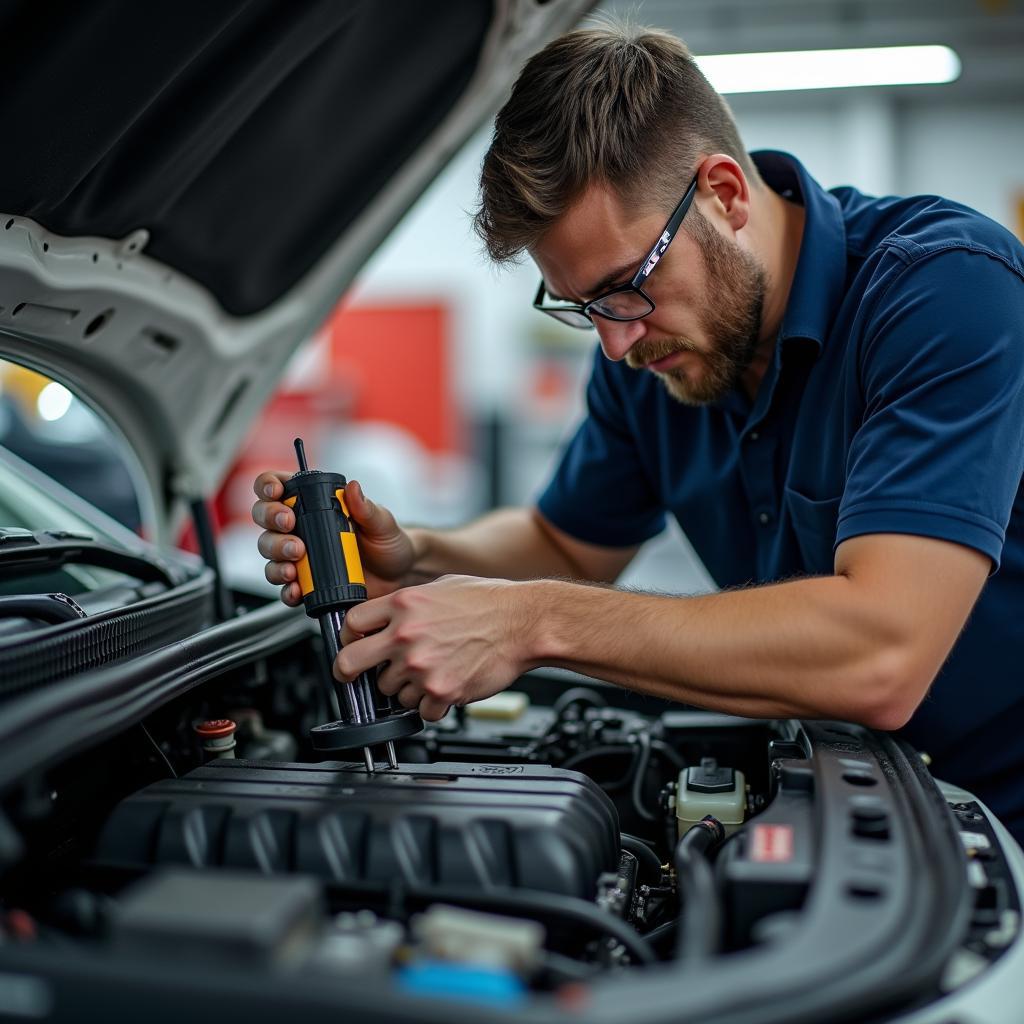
<point>565,847</point>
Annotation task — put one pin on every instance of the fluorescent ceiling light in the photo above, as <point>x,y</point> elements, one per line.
<point>830,69</point>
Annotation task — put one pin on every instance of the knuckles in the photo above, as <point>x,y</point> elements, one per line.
<point>405,635</point>
<point>403,599</point>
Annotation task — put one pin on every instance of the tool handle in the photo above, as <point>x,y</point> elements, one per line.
<point>330,573</point>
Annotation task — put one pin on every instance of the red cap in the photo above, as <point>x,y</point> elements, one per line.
<point>215,727</point>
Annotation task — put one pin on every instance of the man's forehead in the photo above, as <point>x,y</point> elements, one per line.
<point>595,243</point>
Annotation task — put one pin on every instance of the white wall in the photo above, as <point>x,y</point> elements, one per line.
<point>973,153</point>
<point>970,152</point>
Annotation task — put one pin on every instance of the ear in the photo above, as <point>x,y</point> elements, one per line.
<point>723,186</point>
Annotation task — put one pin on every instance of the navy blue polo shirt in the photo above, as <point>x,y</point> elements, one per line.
<point>894,403</point>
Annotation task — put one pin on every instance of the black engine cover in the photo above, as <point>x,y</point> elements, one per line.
<point>465,825</point>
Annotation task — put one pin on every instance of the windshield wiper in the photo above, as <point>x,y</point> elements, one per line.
<point>51,608</point>
<point>25,550</point>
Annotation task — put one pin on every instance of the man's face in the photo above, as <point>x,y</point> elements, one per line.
<point>708,292</point>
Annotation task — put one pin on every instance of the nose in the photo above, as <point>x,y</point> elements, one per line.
<point>617,336</point>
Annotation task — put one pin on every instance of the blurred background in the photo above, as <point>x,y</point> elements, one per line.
<point>437,386</point>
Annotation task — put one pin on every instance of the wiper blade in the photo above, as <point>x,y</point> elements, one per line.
<point>25,550</point>
<point>52,608</point>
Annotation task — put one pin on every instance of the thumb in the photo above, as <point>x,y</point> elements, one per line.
<point>373,520</point>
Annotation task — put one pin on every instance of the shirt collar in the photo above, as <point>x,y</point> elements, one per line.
<point>820,277</point>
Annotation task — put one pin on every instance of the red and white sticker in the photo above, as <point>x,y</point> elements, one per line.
<point>772,844</point>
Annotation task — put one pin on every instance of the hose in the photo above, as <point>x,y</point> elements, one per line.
<point>644,854</point>
<point>662,931</point>
<point>662,748</point>
<point>636,793</point>
<point>591,752</point>
<point>604,751</point>
<point>700,916</point>
<point>575,696</point>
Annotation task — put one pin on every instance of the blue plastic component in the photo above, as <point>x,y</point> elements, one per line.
<point>466,983</point>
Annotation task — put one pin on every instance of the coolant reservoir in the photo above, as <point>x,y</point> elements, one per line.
<point>710,789</point>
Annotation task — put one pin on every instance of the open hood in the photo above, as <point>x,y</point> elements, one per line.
<point>188,189</point>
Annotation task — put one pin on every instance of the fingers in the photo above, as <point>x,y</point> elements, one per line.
<point>368,617</point>
<point>273,515</point>
<point>270,512</point>
<point>432,709</point>
<point>360,656</point>
<point>270,485</point>
<point>280,572</point>
<point>280,547</point>
<point>410,695</point>
<point>390,680</point>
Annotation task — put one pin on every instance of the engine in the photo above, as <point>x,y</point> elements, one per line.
<point>475,826</point>
<point>528,847</point>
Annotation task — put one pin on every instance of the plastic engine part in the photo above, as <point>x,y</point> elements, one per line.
<point>471,826</point>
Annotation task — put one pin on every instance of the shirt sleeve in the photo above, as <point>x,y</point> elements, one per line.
<point>600,492</point>
<point>940,450</point>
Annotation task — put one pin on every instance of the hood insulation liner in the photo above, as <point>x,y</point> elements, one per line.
<point>234,132</point>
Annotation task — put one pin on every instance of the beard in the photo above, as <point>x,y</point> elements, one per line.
<point>731,322</point>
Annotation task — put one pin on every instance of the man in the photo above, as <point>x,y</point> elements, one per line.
<point>826,389</point>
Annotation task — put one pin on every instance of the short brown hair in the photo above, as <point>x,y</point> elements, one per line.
<point>625,106</point>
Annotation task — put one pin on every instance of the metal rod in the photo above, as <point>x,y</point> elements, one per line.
<point>392,759</point>
<point>330,629</point>
<point>365,689</point>
<point>368,760</point>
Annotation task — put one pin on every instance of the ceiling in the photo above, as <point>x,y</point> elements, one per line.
<point>987,34</point>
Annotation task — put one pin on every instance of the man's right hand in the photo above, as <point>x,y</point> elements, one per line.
<point>386,550</point>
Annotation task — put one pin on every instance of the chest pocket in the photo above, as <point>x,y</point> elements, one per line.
<point>814,523</point>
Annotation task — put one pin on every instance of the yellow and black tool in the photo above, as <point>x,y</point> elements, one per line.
<point>332,581</point>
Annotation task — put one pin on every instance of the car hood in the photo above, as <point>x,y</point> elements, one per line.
<point>185,196</point>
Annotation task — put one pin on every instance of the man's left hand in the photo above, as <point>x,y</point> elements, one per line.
<point>453,641</point>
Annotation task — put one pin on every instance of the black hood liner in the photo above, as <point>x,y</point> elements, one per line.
<point>245,136</point>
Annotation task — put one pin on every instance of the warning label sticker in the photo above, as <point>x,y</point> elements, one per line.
<point>772,843</point>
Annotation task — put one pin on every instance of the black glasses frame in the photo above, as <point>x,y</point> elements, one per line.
<point>648,264</point>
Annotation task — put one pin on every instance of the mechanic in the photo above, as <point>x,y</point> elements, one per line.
<point>824,388</point>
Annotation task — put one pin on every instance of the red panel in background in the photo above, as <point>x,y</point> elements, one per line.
<point>395,361</point>
<point>385,363</point>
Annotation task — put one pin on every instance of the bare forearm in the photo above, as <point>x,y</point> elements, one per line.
<point>863,645</point>
<point>508,543</point>
<point>810,648</point>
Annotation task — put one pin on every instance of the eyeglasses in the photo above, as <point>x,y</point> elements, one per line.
<point>625,301</point>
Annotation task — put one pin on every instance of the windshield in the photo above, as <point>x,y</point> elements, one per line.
<point>29,500</point>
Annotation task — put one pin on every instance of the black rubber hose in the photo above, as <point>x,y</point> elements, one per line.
<point>576,695</point>
<point>662,748</point>
<point>609,750</point>
<point>592,752</point>
<point>639,777</point>
<point>700,916</point>
<point>648,859</point>
<point>662,931</point>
